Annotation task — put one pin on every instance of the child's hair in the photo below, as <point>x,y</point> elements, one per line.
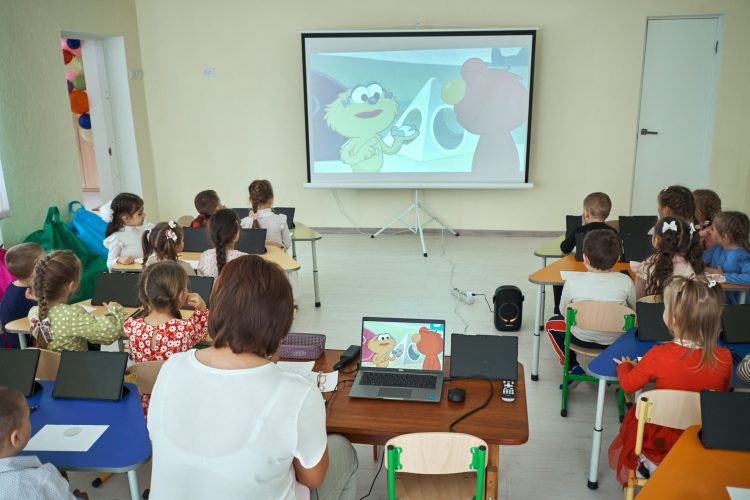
<point>52,275</point>
<point>20,259</point>
<point>696,305</point>
<point>603,248</point>
<point>709,204</point>
<point>162,240</point>
<point>598,204</point>
<point>260,192</point>
<point>160,286</point>
<point>223,227</point>
<point>12,405</point>
<point>734,225</point>
<point>122,204</point>
<point>674,236</point>
<point>207,202</point>
<point>679,201</point>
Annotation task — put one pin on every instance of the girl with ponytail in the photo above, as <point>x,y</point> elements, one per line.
<point>262,217</point>
<point>125,218</point>
<point>164,242</point>
<point>224,232</point>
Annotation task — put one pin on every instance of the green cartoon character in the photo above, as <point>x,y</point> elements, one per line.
<point>362,114</point>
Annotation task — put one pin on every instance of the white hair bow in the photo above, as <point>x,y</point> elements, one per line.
<point>692,229</point>
<point>711,283</point>
<point>172,224</point>
<point>669,226</point>
<point>171,235</point>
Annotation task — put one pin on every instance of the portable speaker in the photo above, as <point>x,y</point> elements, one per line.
<point>508,301</point>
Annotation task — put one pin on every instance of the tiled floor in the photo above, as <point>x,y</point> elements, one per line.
<point>388,276</point>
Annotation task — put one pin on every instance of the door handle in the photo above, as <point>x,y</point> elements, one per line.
<point>645,131</point>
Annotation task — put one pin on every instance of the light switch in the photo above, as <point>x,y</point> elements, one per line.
<point>208,73</point>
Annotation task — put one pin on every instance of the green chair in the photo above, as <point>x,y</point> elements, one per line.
<point>436,465</point>
<point>600,316</point>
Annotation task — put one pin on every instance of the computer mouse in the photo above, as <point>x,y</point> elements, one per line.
<point>456,395</point>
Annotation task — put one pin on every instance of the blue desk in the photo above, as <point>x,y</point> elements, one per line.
<point>604,368</point>
<point>123,447</point>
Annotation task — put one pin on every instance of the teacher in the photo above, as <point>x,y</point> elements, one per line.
<point>226,422</point>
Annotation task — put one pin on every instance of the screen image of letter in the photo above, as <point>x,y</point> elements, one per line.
<point>405,345</point>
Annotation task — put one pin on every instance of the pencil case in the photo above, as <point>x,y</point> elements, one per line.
<point>302,346</point>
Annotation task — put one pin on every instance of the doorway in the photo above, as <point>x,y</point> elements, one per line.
<point>678,107</point>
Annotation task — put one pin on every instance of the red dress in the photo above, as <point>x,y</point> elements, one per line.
<point>670,366</point>
<point>157,343</point>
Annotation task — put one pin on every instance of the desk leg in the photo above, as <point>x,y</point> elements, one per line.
<point>135,492</point>
<point>743,296</point>
<point>536,338</point>
<point>544,297</point>
<point>22,341</point>
<point>596,440</point>
<point>492,477</point>
<point>315,273</point>
<point>294,250</point>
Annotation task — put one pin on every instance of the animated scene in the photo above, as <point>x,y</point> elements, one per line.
<point>410,346</point>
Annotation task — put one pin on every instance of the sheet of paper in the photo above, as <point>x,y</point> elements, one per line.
<point>139,260</point>
<point>65,437</point>
<point>193,263</point>
<point>329,382</point>
<point>301,367</point>
<point>88,308</point>
<point>738,493</point>
<point>567,274</point>
<point>326,382</point>
<point>635,266</point>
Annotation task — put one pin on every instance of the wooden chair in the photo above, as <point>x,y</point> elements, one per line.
<point>600,316</point>
<point>651,299</point>
<point>49,362</point>
<point>145,375</point>
<point>614,224</point>
<point>668,408</point>
<point>436,465</point>
<point>185,220</point>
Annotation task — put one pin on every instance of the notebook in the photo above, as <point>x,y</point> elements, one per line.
<point>401,359</point>
<point>725,417</point>
<point>91,375</point>
<point>18,369</point>
<point>651,325</point>
<point>116,287</point>
<point>484,356</point>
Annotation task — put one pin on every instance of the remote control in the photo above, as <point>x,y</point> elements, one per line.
<point>508,392</point>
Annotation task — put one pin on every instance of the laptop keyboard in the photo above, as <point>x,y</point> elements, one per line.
<point>389,379</point>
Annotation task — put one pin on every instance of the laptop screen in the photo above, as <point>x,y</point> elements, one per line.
<point>408,344</point>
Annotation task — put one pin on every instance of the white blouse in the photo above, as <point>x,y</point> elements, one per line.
<point>207,263</point>
<point>125,242</point>
<point>275,225</point>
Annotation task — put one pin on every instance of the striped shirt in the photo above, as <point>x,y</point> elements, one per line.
<point>25,477</point>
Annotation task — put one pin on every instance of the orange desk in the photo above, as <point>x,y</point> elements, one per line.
<point>273,254</point>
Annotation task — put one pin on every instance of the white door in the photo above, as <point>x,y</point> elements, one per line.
<point>678,103</point>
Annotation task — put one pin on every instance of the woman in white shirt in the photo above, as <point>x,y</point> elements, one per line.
<point>226,422</point>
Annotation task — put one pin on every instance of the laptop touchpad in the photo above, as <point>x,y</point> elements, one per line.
<point>394,392</point>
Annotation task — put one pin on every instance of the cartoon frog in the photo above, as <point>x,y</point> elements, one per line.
<point>362,114</point>
<point>382,345</point>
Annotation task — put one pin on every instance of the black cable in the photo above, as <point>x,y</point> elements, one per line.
<point>335,390</point>
<point>485,299</point>
<point>372,485</point>
<point>350,372</point>
<point>475,410</point>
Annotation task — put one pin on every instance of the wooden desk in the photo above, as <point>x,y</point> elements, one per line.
<point>303,233</point>
<point>370,421</point>
<point>691,471</point>
<point>273,254</point>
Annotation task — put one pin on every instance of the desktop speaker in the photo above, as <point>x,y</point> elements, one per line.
<point>508,301</point>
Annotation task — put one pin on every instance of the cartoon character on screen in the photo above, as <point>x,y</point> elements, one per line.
<point>362,114</point>
<point>380,349</point>
<point>429,343</point>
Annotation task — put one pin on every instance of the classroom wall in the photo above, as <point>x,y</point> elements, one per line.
<point>36,136</point>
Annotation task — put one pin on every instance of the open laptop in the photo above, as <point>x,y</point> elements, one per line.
<point>734,322</point>
<point>401,359</point>
<point>636,247</point>
<point>116,287</point>
<point>572,222</point>
<point>724,416</point>
<point>484,356</point>
<point>636,224</point>
<point>202,285</point>
<point>251,240</point>
<point>91,375</point>
<point>288,211</point>
<point>18,369</point>
<point>651,325</point>
<point>196,239</point>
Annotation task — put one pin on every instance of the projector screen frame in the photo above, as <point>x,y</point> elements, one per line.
<point>530,31</point>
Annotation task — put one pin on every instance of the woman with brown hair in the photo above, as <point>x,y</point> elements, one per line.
<point>226,422</point>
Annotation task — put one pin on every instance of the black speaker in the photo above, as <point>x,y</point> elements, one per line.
<point>508,301</point>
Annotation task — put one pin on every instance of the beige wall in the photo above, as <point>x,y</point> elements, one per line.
<point>36,137</point>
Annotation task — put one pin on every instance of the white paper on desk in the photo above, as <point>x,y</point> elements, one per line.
<point>301,367</point>
<point>304,368</point>
<point>738,493</point>
<point>53,438</point>
<point>567,274</point>
<point>139,260</point>
<point>88,309</point>
<point>193,263</point>
<point>635,266</point>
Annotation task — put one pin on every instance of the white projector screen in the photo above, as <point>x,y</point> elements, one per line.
<point>418,109</point>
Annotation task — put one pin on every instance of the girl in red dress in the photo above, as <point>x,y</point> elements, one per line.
<point>692,362</point>
<point>159,331</point>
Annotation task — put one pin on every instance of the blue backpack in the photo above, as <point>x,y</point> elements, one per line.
<point>89,228</point>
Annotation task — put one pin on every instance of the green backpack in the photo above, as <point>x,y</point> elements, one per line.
<point>55,235</point>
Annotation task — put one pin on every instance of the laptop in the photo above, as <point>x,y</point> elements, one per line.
<point>572,222</point>
<point>401,359</point>
<point>484,356</point>
<point>724,417</point>
<point>251,240</point>
<point>196,239</point>
<point>116,287</point>
<point>91,375</point>
<point>18,369</point>
<point>288,211</point>
<point>651,325</point>
<point>202,285</point>
<point>636,247</point>
<point>636,224</point>
<point>734,322</point>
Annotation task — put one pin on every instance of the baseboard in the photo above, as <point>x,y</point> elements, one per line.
<point>463,232</point>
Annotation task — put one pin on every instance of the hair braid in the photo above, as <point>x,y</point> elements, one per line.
<point>679,201</point>
<point>260,192</point>
<point>223,228</point>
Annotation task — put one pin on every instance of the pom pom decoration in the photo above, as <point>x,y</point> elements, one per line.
<point>70,86</point>
<point>79,102</point>
<point>73,43</point>
<point>79,82</point>
<point>75,65</point>
<point>84,121</point>
<point>85,133</point>
<point>67,56</point>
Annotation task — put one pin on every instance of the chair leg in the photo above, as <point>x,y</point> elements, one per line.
<point>566,364</point>
<point>374,453</point>
<point>630,488</point>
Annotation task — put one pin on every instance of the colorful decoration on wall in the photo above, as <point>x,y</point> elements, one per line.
<point>76,81</point>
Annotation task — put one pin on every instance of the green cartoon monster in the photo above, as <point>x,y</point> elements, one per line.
<point>361,114</point>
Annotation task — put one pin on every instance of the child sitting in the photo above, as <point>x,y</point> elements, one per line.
<point>160,331</point>
<point>59,326</point>
<point>601,251</point>
<point>163,242</point>
<point>730,254</point>
<point>676,201</point>
<point>677,252</point>
<point>14,305</point>
<point>261,216</point>
<point>707,205</point>
<point>206,203</point>
<point>123,233</point>
<point>692,362</point>
<point>224,230</point>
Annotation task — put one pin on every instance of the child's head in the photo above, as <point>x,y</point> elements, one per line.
<point>127,210</point>
<point>597,206</point>
<point>707,205</point>
<point>15,426</point>
<point>692,312</point>
<point>673,236</point>
<point>163,288</point>
<point>20,259</point>
<point>207,202</point>
<point>676,201</point>
<point>56,276</point>
<point>602,249</point>
<point>224,229</point>
<point>732,228</point>
<point>165,240</point>
<point>261,193</point>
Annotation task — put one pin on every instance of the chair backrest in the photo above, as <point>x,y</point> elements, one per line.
<point>601,316</point>
<point>614,224</point>
<point>145,375</point>
<point>436,452</point>
<point>669,408</point>
<point>49,362</point>
<point>185,220</point>
<point>651,299</point>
